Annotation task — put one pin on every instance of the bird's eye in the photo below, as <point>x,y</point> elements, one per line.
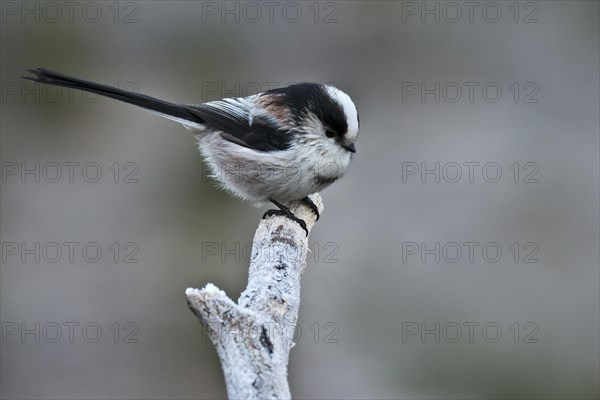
<point>330,133</point>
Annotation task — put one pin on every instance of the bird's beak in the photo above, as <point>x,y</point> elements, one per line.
<point>350,147</point>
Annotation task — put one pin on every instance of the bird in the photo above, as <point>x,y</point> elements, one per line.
<point>276,146</point>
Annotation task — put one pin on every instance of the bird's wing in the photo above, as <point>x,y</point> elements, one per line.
<point>238,124</point>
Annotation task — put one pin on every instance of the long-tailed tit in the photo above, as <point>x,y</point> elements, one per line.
<point>280,145</point>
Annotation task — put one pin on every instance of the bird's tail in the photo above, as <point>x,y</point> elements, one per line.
<point>176,112</point>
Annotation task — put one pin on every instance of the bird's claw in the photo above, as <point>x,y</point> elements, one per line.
<point>307,201</point>
<point>287,213</point>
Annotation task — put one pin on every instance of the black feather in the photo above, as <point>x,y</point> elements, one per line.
<point>302,98</point>
<point>262,135</point>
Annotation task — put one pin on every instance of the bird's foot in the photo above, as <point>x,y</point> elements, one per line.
<point>285,211</point>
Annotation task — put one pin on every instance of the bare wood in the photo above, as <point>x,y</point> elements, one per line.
<point>253,337</point>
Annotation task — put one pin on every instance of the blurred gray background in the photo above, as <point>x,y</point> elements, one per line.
<point>380,317</point>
